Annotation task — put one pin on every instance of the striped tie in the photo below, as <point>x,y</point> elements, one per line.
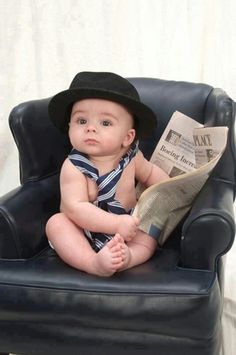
<point>106,184</point>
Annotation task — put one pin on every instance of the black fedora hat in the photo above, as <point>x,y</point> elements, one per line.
<point>102,85</point>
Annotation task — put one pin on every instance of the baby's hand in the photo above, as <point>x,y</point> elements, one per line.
<point>127,226</point>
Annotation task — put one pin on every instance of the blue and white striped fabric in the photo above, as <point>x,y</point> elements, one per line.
<point>107,185</point>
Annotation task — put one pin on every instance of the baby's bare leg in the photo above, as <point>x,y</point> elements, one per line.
<point>73,247</point>
<point>137,251</point>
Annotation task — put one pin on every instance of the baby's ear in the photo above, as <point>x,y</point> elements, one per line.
<point>129,138</point>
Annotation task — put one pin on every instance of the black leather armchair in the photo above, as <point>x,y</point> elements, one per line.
<point>170,305</point>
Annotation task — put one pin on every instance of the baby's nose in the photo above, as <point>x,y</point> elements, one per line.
<point>91,128</point>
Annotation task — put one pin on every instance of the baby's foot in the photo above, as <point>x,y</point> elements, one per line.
<point>125,253</point>
<point>109,259</point>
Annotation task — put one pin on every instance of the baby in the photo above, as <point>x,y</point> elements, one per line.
<point>94,231</point>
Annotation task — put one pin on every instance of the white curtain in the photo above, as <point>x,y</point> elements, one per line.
<point>44,43</point>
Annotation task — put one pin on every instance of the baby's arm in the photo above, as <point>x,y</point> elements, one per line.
<point>76,205</point>
<point>147,172</point>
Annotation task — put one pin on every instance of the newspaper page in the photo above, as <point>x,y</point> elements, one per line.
<point>175,151</point>
<point>162,206</point>
<point>208,143</point>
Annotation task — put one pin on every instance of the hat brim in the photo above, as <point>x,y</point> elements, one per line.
<point>60,105</point>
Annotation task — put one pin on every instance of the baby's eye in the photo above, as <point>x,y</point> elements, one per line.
<point>106,123</point>
<point>82,121</point>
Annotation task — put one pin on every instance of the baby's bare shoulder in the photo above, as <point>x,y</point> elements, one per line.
<point>73,183</point>
<point>139,157</point>
<point>70,174</point>
<point>142,167</point>
<point>141,163</point>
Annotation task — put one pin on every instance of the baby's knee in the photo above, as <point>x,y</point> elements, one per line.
<point>54,224</point>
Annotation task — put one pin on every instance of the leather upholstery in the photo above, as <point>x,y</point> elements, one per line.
<point>170,305</point>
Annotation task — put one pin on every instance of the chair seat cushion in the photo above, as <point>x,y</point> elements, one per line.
<point>157,297</point>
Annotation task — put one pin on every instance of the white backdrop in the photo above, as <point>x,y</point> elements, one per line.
<point>44,43</point>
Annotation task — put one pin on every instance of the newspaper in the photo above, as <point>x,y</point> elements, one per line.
<point>187,152</point>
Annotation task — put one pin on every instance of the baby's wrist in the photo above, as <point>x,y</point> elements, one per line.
<point>116,223</point>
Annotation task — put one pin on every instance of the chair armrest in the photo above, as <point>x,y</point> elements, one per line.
<point>23,215</point>
<point>209,229</point>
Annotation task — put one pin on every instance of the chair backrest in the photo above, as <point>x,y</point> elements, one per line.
<point>42,149</point>
<point>205,104</point>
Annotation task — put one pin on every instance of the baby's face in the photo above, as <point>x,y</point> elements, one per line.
<point>100,127</point>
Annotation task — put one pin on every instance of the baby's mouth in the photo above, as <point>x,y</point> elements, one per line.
<point>91,141</point>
